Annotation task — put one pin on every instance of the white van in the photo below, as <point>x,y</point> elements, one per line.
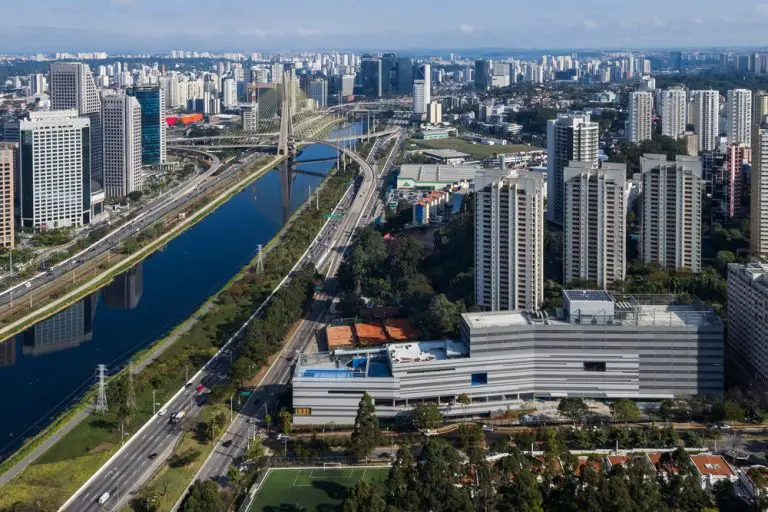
<point>103,498</point>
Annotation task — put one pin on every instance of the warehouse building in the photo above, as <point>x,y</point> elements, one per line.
<point>600,347</point>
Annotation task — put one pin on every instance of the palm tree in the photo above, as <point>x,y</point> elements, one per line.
<point>464,400</point>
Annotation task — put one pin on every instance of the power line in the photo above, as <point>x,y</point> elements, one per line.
<point>101,400</point>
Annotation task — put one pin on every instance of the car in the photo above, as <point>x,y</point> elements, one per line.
<point>487,428</point>
<point>28,284</point>
<point>162,412</point>
<point>725,427</point>
<point>251,420</point>
<point>227,443</point>
<point>152,455</point>
<point>104,497</point>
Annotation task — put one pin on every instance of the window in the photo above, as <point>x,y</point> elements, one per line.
<point>302,411</point>
<point>594,366</point>
<point>479,379</point>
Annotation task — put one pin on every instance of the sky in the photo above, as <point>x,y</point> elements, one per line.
<point>259,25</point>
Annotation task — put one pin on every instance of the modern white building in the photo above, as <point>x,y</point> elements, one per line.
<point>509,240</point>
<point>671,211</point>
<point>37,84</point>
<point>122,145</point>
<point>54,170</point>
<point>706,118</point>
<point>71,86</point>
<point>748,324</point>
<point>758,216</point>
<point>570,137</point>
<point>435,112</point>
<point>7,175</point>
<point>318,91</point>
<point>229,93</point>
<point>640,116</point>
<point>601,347</point>
<point>595,230</point>
<point>674,109</point>
<point>738,112</point>
<point>419,99</point>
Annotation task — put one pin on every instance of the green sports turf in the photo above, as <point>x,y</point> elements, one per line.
<point>311,490</point>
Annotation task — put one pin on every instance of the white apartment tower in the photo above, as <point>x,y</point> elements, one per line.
<point>7,174</point>
<point>509,241</point>
<point>595,234</point>
<point>674,105</point>
<point>229,93</point>
<point>71,86</point>
<point>738,111</point>
<point>570,137</point>
<point>747,354</point>
<point>758,215</point>
<point>122,145</point>
<point>54,170</point>
<point>419,99</point>
<point>670,234</point>
<point>640,117</point>
<point>706,118</point>
<point>250,117</point>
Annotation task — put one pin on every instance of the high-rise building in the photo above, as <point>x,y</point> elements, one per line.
<point>71,86</point>
<point>671,211</point>
<point>760,107</point>
<point>674,107</point>
<point>640,116</point>
<point>594,227</point>
<point>318,91</point>
<point>706,118</point>
<point>54,185</point>
<point>37,84</point>
<point>404,67</point>
<point>509,244</point>
<point>738,111</point>
<point>736,155</point>
<point>570,137</point>
<point>7,175</point>
<point>424,72</point>
<point>388,74</point>
<point>691,143</point>
<point>435,112</point>
<point>747,344</point>
<point>250,117</point>
<point>153,126</point>
<point>482,74</point>
<point>371,76</point>
<point>122,145</point>
<point>419,102</point>
<point>758,217</point>
<point>229,93</point>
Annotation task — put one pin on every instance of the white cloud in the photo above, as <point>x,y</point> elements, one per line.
<point>307,32</point>
<point>467,29</point>
<point>699,21</point>
<point>762,9</point>
<point>589,24</point>
<point>122,2</point>
<point>658,22</point>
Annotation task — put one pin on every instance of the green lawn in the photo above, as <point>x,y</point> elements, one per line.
<point>311,490</point>
<point>478,151</point>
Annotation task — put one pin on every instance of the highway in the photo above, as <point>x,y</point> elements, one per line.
<point>125,473</point>
<point>146,215</point>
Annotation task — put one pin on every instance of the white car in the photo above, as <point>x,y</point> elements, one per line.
<point>162,412</point>
<point>104,497</point>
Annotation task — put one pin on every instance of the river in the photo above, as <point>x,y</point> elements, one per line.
<point>48,367</point>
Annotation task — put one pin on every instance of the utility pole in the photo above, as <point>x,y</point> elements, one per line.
<point>154,402</point>
<point>260,261</point>
<point>130,399</point>
<point>230,408</point>
<point>317,199</point>
<point>101,399</point>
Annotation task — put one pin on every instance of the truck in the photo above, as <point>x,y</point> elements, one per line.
<point>177,417</point>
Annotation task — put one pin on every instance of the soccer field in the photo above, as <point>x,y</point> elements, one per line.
<point>311,489</point>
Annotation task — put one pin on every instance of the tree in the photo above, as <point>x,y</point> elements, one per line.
<point>402,486</point>
<point>135,195</point>
<point>665,409</point>
<point>405,260</point>
<point>733,411</point>
<point>286,421</point>
<point>464,400</point>
<point>364,497</point>
<point>203,497</point>
<point>471,437</point>
<point>426,416</point>
<point>521,494</point>
<point>726,498</point>
<point>443,316</point>
<point>625,410</point>
<point>366,434</point>
<point>573,408</point>
<point>240,371</point>
<point>440,463</point>
<point>234,476</point>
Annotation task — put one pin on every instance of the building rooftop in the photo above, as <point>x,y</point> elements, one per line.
<point>596,295</point>
<point>421,351</point>
<point>437,172</point>
<point>714,465</point>
<point>495,319</point>
<point>446,153</point>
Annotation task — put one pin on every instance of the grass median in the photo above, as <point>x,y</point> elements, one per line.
<point>83,450</point>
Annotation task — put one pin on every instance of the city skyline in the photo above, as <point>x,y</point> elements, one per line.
<point>148,27</point>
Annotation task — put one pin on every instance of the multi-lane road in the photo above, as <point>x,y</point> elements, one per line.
<point>125,473</point>
<point>145,216</point>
